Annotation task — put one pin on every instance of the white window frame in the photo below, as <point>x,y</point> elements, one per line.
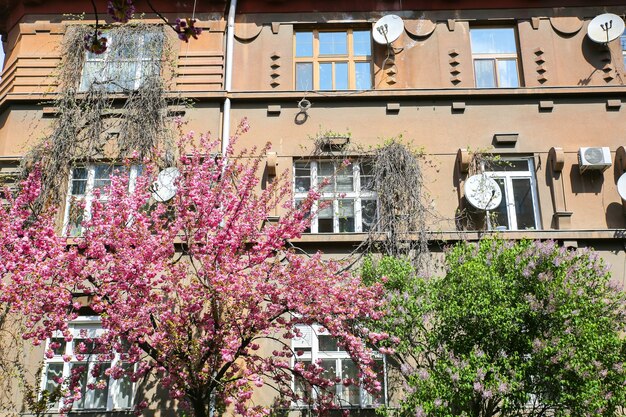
<point>145,56</point>
<point>310,342</point>
<point>357,195</point>
<point>93,327</point>
<point>498,56</point>
<point>508,177</point>
<point>88,197</point>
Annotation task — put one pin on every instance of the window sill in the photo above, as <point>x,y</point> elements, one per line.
<point>451,236</point>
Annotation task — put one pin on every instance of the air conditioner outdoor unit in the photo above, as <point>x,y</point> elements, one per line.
<point>594,158</point>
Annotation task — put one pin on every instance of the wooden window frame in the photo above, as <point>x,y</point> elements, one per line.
<point>316,59</point>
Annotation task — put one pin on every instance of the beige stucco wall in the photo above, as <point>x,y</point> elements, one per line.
<point>574,75</point>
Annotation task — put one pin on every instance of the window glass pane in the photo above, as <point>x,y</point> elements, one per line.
<point>57,344</point>
<point>128,48</point>
<point>81,370</point>
<point>366,174</point>
<point>333,43</point>
<point>346,216</point>
<point>304,76</point>
<point>97,398</point>
<point>75,218</point>
<point>350,393</point>
<point>363,76</point>
<point>362,42</point>
<point>152,47</point>
<point>493,40</point>
<point>622,41</point>
<point>302,388</point>
<point>327,343</point>
<point>124,75</point>
<point>304,44</point>
<point>92,73</point>
<point>500,216</point>
<point>326,76</point>
<point>330,372</point>
<point>303,177</point>
<point>368,214</point>
<point>53,374</point>
<point>102,176</point>
<point>379,397</point>
<point>345,179</point>
<point>325,225</point>
<point>485,73</point>
<point>524,210</point>
<point>341,76</point>
<point>308,229</point>
<point>125,389</point>
<point>507,73</point>
<point>325,172</point>
<point>79,181</point>
<point>325,218</point>
<point>509,165</point>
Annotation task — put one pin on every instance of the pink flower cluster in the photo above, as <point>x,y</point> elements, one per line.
<point>121,10</point>
<point>186,29</point>
<point>189,289</point>
<point>95,43</point>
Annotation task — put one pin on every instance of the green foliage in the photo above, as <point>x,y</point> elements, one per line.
<point>512,329</point>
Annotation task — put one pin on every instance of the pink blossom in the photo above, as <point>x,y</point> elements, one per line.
<point>187,320</point>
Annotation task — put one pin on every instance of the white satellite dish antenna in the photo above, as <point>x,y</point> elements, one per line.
<point>388,29</point>
<point>605,28</point>
<point>621,186</point>
<point>482,192</point>
<point>164,187</point>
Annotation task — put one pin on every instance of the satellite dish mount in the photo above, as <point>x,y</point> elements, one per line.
<point>605,28</point>
<point>387,29</point>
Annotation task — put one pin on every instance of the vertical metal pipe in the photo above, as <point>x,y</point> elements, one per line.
<point>228,74</point>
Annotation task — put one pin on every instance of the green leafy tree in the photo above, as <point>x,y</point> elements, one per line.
<point>512,329</point>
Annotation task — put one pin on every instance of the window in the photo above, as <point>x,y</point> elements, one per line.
<point>337,60</point>
<point>108,393</point>
<point>126,64</point>
<point>84,180</point>
<point>351,204</point>
<point>519,209</point>
<point>494,51</point>
<point>317,346</point>
<point>9,178</point>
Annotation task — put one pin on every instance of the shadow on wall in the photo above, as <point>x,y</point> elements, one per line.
<point>589,182</point>
<point>615,216</point>
<point>598,56</point>
<point>158,399</point>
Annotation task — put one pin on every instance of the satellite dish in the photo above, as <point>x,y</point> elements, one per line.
<point>621,186</point>
<point>164,187</point>
<point>482,192</point>
<point>605,28</point>
<point>388,29</point>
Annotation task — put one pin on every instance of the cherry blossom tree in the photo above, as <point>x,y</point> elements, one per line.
<point>122,11</point>
<point>189,290</point>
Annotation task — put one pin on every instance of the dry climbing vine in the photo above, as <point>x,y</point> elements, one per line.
<point>402,212</point>
<point>100,115</point>
<point>401,226</point>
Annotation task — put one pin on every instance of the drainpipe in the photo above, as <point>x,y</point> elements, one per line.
<point>228,74</point>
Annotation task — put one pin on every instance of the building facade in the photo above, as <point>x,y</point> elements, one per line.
<point>518,91</point>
